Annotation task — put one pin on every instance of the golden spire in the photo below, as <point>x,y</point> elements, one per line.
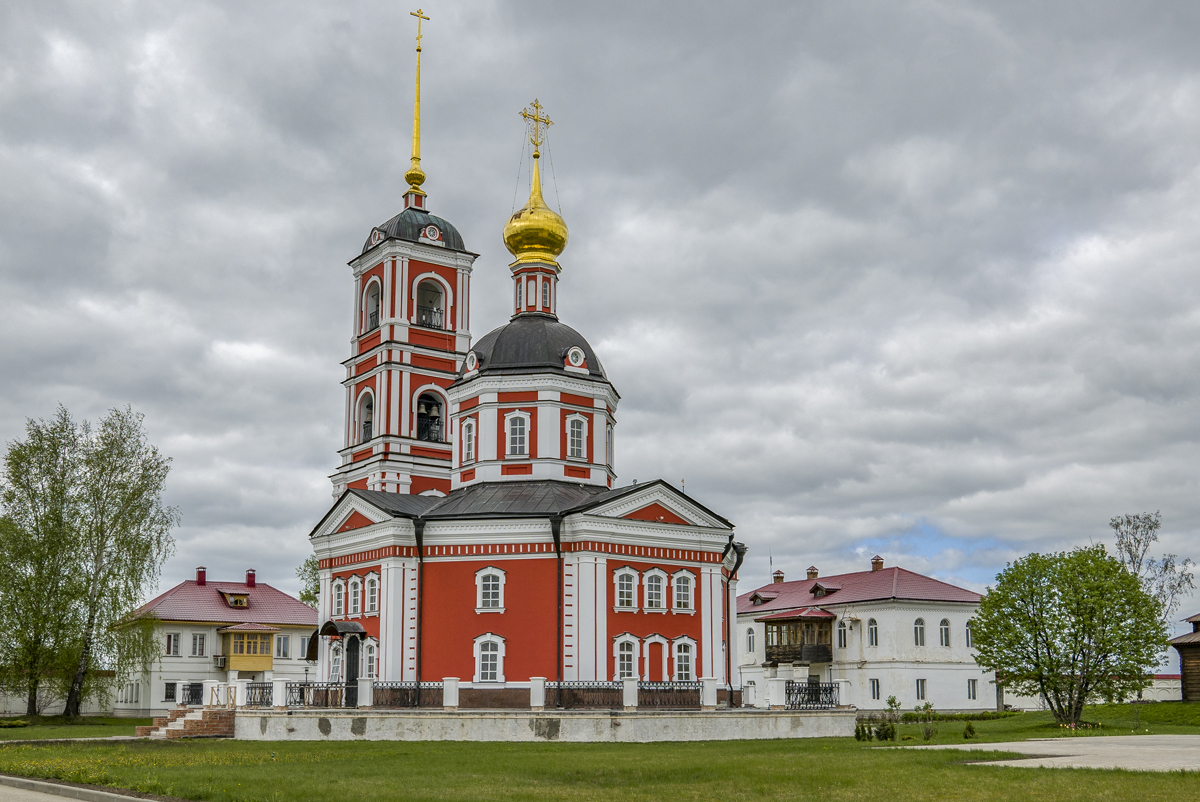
<point>415,176</point>
<point>535,234</point>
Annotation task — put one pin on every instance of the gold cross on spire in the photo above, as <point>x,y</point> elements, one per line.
<point>420,15</point>
<point>538,123</point>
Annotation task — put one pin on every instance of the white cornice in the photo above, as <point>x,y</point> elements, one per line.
<point>403,249</point>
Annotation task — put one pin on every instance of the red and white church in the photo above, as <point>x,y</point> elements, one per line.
<point>478,531</point>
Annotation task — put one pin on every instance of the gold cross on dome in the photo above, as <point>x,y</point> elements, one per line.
<point>538,123</point>
<point>420,15</point>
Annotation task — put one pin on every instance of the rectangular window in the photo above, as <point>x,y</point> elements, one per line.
<point>841,636</point>
<point>172,644</point>
<point>575,439</point>
<point>281,646</point>
<point>683,593</point>
<point>354,598</point>
<point>625,590</point>
<point>469,442</point>
<point>625,661</point>
<point>516,436</point>
<point>972,689</point>
<point>654,592</point>
<point>683,663</point>
<point>239,644</point>
<point>372,596</point>
<point>337,600</point>
<point>874,689</point>
<point>489,662</point>
<point>304,648</point>
<point>920,690</point>
<point>169,692</point>
<point>520,294</point>
<point>197,645</point>
<point>371,662</point>
<point>489,592</point>
<point>264,644</point>
<point>545,293</point>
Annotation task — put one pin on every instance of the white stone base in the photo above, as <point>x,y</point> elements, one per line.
<point>582,726</point>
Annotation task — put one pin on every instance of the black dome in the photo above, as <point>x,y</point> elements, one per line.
<point>532,343</point>
<point>408,226</point>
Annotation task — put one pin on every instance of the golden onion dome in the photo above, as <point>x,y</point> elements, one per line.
<point>535,233</point>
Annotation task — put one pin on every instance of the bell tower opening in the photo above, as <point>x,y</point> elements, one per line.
<point>431,308</point>
<point>430,426</point>
<point>366,418</point>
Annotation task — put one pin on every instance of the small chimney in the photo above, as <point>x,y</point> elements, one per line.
<point>202,576</point>
<point>777,576</point>
<point>812,572</point>
<point>249,577</point>
<point>876,563</point>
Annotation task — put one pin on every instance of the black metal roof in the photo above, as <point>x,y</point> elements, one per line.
<point>514,499</point>
<point>532,342</point>
<point>409,224</point>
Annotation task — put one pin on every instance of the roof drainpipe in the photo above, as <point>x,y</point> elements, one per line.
<point>419,531</point>
<point>739,554</point>
<point>556,532</point>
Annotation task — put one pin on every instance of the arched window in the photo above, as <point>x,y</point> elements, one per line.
<point>366,417</point>
<point>625,580</point>
<point>372,307</point>
<point>654,592</point>
<point>431,311</point>
<point>872,633</point>
<point>335,663</point>
<point>546,294</point>
<point>372,596</point>
<point>841,634</point>
<point>429,418</point>
<point>520,294</point>
<point>354,598</point>
<point>625,660</point>
<point>683,592</point>
<point>683,662</point>
<point>489,658</point>
<point>338,599</point>
<point>370,662</point>
<point>575,438</point>
<point>516,436</point>
<point>608,446</point>
<point>750,640</point>
<point>970,640</point>
<point>468,444</point>
<point>919,632</point>
<point>944,632</point>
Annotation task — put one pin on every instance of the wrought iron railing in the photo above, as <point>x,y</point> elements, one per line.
<point>193,693</point>
<point>429,429</point>
<point>430,317</point>
<point>571,694</point>
<point>317,694</point>
<point>372,321</point>
<point>810,695</point>
<point>404,694</point>
<point>669,694</point>
<point>258,694</point>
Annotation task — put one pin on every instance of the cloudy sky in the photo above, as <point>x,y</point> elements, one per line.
<point>910,278</point>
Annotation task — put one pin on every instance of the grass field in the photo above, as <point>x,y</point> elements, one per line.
<point>819,769</point>
<point>60,727</point>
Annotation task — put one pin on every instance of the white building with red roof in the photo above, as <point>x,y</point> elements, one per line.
<point>220,631</point>
<point>877,633</point>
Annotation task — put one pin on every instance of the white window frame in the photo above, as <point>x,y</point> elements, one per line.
<point>872,632</point>
<point>751,637</point>
<point>634,578</point>
<point>358,417</point>
<point>661,576</point>
<point>973,689</point>
<point>546,293</point>
<point>508,437</point>
<point>922,690</point>
<point>919,632</point>
<point>693,659</point>
<point>490,570</point>
<point>339,599</point>
<point>199,645</point>
<point>618,641</point>
<point>370,660</point>
<point>842,638</point>
<point>489,637</point>
<point>692,588</point>
<point>355,596</point>
<point>468,438</point>
<point>283,647</point>
<point>303,644</point>
<point>873,685</point>
<point>366,328</point>
<point>371,606</point>
<point>944,632</point>
<point>583,439</point>
<point>335,663</point>
<point>173,644</point>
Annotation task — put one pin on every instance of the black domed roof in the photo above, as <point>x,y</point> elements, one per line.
<point>408,226</point>
<point>533,343</point>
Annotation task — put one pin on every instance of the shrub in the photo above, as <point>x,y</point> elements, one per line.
<point>925,717</point>
<point>983,715</point>
<point>969,731</point>
<point>12,723</point>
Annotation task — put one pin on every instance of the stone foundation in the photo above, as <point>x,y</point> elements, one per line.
<point>582,726</point>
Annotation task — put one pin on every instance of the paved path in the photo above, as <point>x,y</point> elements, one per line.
<point>20,789</point>
<point>1135,752</point>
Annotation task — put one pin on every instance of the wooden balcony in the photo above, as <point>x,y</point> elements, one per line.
<point>804,653</point>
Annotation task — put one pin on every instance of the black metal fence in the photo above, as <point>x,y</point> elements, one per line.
<point>811,695</point>
<point>258,694</point>
<point>680,695</point>
<point>582,694</point>
<point>404,694</point>
<point>317,694</point>
<point>430,317</point>
<point>429,429</point>
<point>192,693</point>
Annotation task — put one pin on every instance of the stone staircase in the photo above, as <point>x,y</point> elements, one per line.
<point>190,722</point>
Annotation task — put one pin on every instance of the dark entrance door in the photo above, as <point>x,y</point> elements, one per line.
<point>352,647</point>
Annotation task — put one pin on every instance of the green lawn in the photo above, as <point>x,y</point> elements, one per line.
<point>60,727</point>
<point>819,769</point>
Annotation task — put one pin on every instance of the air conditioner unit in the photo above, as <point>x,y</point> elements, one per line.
<point>219,660</point>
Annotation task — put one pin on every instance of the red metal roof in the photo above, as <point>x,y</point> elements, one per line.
<point>886,583</point>
<point>807,612</point>
<point>189,601</point>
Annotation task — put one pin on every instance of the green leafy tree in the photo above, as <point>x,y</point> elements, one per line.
<point>1071,627</point>
<point>310,581</point>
